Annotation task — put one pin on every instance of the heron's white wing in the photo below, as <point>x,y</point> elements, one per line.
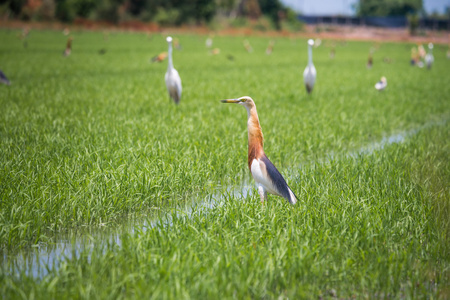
<point>259,173</point>
<point>173,83</point>
<point>380,85</point>
<point>309,75</point>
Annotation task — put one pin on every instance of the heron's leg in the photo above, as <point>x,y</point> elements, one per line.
<point>262,192</point>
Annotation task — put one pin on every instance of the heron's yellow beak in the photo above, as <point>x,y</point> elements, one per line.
<point>231,101</point>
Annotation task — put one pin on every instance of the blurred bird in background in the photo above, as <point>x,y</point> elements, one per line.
<point>332,52</point>
<point>215,51</point>
<point>176,44</point>
<point>173,80</point>
<point>270,47</point>
<point>370,59</point>
<point>309,75</point>
<point>160,57</point>
<point>68,49</point>
<point>414,57</point>
<point>24,36</point>
<point>247,46</point>
<point>209,42</point>
<point>382,84</point>
<point>429,58</point>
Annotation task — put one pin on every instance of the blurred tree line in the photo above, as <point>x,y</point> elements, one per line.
<point>163,12</point>
<point>383,8</point>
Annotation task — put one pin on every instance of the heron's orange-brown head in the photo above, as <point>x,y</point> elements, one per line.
<point>245,101</point>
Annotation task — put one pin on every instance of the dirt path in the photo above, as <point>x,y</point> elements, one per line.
<point>335,32</point>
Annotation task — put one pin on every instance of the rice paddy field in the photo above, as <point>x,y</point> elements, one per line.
<point>155,201</point>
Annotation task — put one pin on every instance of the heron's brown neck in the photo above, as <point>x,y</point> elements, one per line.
<point>255,136</point>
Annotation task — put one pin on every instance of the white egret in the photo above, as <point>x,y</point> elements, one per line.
<point>429,58</point>
<point>382,84</point>
<point>309,75</point>
<point>317,43</point>
<point>209,42</point>
<point>173,80</point>
<point>266,175</point>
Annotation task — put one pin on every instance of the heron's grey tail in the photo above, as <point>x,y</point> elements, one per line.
<point>176,98</point>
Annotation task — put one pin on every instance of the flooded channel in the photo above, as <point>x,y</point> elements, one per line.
<point>41,259</point>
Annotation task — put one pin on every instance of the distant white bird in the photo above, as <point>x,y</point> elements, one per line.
<point>4,79</point>
<point>382,84</point>
<point>317,43</point>
<point>209,42</point>
<point>429,58</point>
<point>309,75</point>
<point>173,80</point>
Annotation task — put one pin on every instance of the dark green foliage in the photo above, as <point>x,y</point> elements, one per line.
<point>108,10</point>
<point>413,23</point>
<point>389,7</point>
<point>15,6</point>
<point>64,11</point>
<point>84,7</point>
<point>272,9</point>
<point>164,12</point>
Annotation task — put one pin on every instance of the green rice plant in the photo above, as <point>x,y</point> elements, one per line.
<point>363,229</point>
<point>93,140</point>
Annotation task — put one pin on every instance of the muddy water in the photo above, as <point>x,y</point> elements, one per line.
<point>41,259</point>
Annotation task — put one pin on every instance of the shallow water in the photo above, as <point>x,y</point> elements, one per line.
<point>41,259</point>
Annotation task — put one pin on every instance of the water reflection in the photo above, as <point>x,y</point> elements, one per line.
<point>41,259</point>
